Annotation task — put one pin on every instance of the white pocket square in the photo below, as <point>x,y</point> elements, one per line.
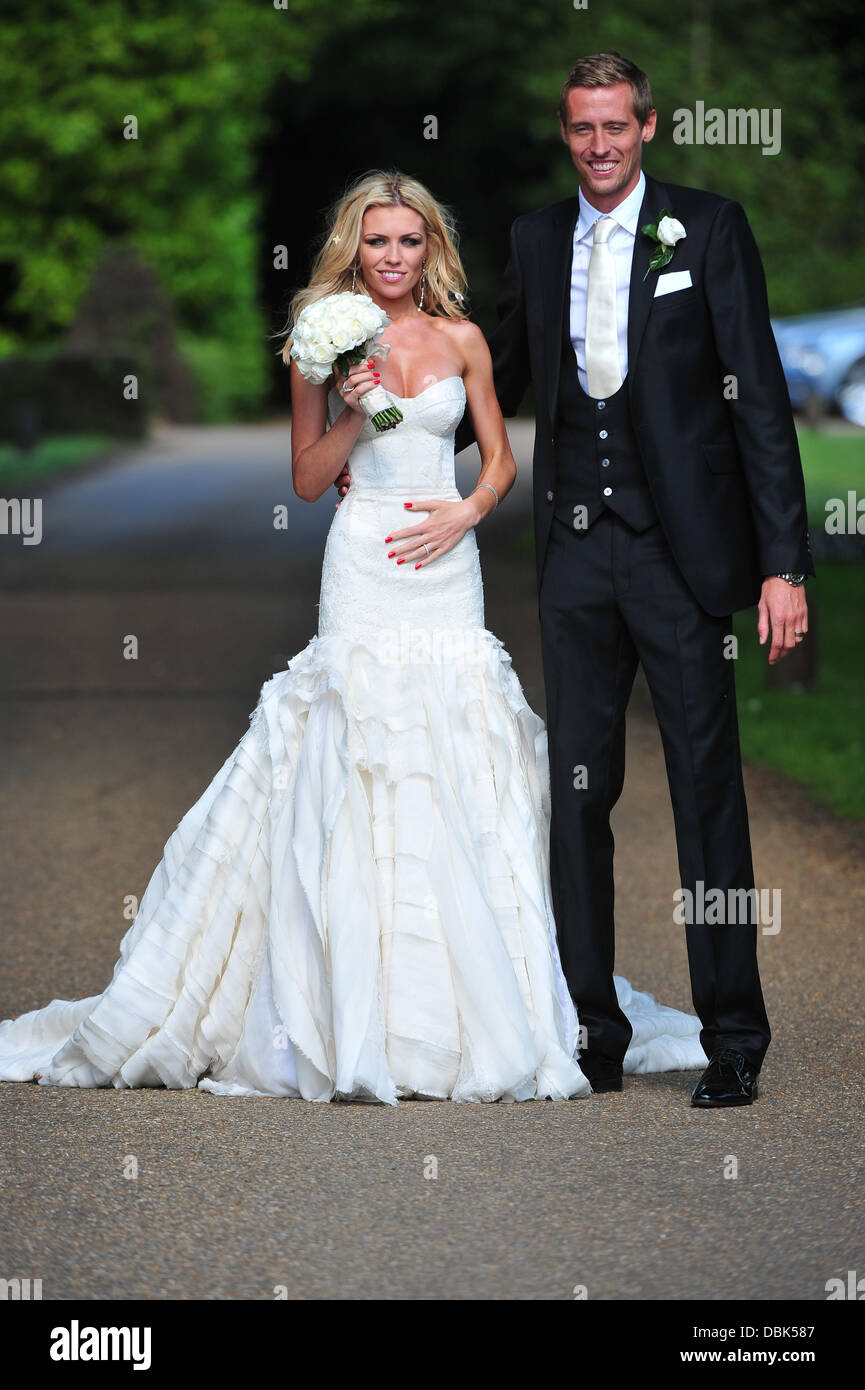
<point>673,280</point>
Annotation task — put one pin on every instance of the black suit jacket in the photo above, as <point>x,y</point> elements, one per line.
<point>721,458</point>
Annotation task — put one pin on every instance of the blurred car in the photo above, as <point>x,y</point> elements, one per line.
<point>823,356</point>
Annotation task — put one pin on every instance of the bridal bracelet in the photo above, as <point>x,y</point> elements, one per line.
<point>492,490</point>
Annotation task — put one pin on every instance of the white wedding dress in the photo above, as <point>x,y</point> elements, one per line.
<point>358,905</point>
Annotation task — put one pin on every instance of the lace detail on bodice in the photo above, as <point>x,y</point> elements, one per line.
<point>419,453</point>
<point>361,589</point>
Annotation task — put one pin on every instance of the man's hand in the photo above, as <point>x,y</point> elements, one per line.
<point>342,482</point>
<point>783,610</point>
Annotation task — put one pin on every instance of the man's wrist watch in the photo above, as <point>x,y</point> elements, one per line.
<point>796,579</point>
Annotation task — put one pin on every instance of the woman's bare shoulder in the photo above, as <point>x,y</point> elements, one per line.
<point>465,338</point>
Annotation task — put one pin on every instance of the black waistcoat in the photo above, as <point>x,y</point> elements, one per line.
<point>598,462</point>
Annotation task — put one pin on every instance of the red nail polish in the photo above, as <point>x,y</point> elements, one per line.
<point>388,538</point>
<point>418,565</point>
<point>401,562</point>
<point>390,554</point>
<point>407,504</point>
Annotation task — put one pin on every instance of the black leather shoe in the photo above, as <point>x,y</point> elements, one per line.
<point>601,1073</point>
<point>729,1079</point>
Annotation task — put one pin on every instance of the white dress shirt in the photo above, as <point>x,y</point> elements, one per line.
<point>621,244</point>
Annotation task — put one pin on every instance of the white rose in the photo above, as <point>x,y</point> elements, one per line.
<point>334,325</point>
<point>670,230</point>
<point>318,375</point>
<point>368,311</point>
<point>342,337</point>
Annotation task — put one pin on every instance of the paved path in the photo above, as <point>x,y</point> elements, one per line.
<point>99,759</point>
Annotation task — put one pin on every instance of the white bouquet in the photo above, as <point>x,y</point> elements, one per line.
<point>342,329</point>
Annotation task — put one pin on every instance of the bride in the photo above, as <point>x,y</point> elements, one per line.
<point>358,905</point>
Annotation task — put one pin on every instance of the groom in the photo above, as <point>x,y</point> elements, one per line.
<point>668,493</point>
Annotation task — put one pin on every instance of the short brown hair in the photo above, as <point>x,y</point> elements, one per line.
<point>605,70</point>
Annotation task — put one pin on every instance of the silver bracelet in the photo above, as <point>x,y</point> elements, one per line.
<point>492,490</point>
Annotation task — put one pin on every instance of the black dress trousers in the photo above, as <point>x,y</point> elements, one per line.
<point>611,596</point>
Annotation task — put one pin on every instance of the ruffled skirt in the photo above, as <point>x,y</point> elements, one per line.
<point>356,907</point>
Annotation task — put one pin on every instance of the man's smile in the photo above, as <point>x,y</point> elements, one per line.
<point>603,167</point>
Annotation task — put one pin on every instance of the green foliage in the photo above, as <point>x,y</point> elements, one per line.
<point>19,471</point>
<point>231,373</point>
<point>833,466</point>
<point>194,79</point>
<point>198,79</point>
<point>817,736</point>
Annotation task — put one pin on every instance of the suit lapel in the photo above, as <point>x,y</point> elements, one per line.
<point>556,259</point>
<point>642,287</point>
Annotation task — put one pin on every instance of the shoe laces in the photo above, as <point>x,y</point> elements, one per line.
<point>731,1060</point>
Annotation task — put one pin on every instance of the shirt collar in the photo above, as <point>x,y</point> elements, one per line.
<point>627,214</point>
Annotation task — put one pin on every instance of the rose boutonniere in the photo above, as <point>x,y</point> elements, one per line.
<point>666,232</point>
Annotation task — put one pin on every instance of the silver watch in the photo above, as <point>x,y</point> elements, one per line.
<point>796,579</point>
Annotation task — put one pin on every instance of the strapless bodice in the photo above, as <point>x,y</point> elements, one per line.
<point>419,454</point>
<point>362,589</point>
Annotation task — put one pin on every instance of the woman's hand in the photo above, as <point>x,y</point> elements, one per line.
<point>441,530</point>
<point>361,378</point>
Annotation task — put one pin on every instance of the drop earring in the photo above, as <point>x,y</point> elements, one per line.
<point>353,277</point>
<point>422,284</point>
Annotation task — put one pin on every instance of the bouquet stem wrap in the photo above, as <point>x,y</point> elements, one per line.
<point>377,404</point>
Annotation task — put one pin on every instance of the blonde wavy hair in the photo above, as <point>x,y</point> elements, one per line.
<point>338,255</point>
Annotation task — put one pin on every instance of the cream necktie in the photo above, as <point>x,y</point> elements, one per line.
<point>602,337</point>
